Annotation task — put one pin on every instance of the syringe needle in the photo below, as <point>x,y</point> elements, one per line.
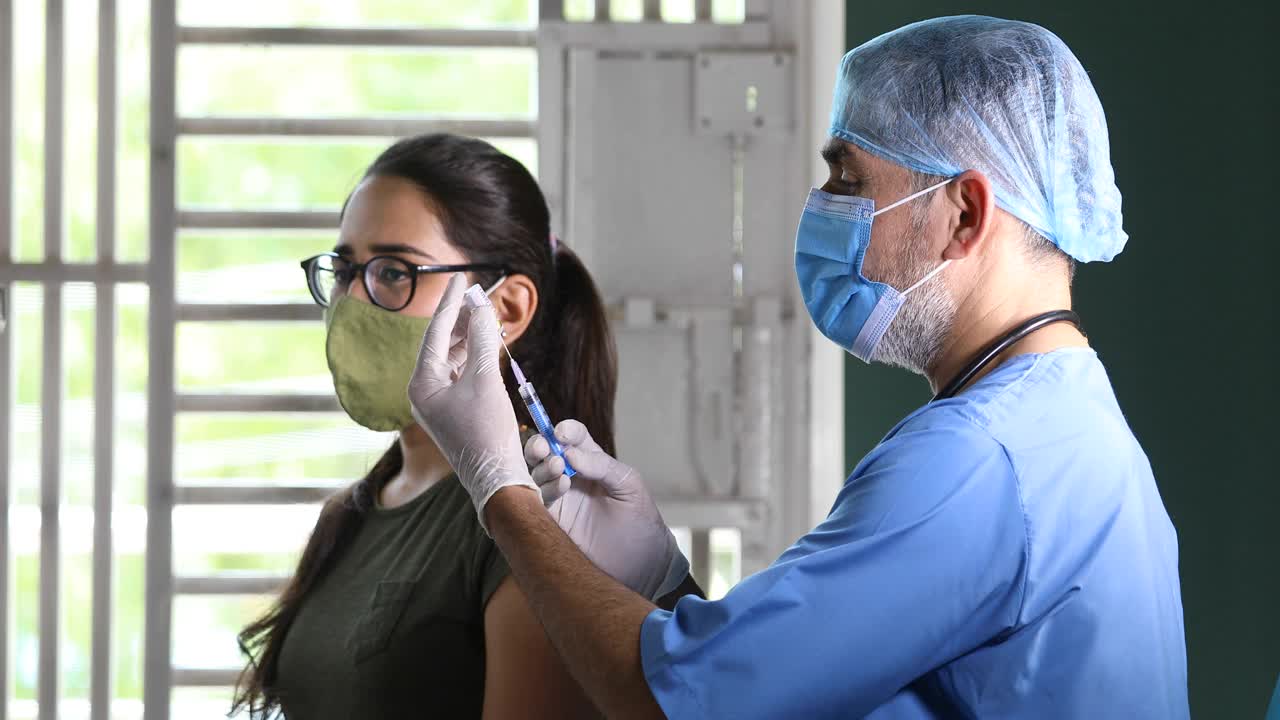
<point>515,369</point>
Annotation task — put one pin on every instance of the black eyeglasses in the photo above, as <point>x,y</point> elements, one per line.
<point>389,281</point>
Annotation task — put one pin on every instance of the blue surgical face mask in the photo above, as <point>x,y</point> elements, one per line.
<point>831,244</point>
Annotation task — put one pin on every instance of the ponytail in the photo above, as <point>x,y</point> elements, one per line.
<point>580,360</point>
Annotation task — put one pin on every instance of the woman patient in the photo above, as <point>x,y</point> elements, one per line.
<point>401,606</point>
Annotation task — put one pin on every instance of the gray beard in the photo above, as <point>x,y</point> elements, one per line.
<point>916,336</point>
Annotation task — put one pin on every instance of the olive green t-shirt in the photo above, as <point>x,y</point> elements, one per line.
<point>395,629</point>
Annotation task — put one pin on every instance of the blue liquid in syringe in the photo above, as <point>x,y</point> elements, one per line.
<point>539,414</point>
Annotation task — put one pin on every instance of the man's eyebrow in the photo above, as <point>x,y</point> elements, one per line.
<point>834,151</point>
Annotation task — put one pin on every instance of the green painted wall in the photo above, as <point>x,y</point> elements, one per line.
<point>1186,318</point>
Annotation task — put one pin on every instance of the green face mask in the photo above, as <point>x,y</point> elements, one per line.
<point>371,355</point>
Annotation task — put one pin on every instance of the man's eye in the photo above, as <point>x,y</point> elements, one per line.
<point>843,185</point>
<point>842,178</point>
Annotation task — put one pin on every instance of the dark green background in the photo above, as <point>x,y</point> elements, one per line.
<point>1185,319</point>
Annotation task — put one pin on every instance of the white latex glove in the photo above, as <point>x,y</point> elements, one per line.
<point>607,511</point>
<point>458,396</point>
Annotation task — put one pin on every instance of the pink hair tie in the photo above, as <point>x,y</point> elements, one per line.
<point>555,244</point>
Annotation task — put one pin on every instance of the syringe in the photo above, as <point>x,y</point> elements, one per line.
<point>476,297</point>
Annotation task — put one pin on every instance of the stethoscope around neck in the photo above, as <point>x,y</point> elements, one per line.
<point>989,353</point>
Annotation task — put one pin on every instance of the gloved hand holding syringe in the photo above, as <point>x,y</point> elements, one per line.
<point>476,297</point>
<point>458,396</point>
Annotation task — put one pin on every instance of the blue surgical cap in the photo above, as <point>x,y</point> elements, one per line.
<point>1002,97</point>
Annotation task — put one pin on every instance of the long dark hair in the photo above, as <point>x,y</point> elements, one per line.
<point>493,211</point>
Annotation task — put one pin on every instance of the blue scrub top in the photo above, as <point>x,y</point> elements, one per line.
<point>1004,553</point>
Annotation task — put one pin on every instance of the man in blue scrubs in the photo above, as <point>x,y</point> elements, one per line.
<point>1003,552</point>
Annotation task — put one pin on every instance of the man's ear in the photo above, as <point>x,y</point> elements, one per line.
<point>971,205</point>
<point>515,301</point>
